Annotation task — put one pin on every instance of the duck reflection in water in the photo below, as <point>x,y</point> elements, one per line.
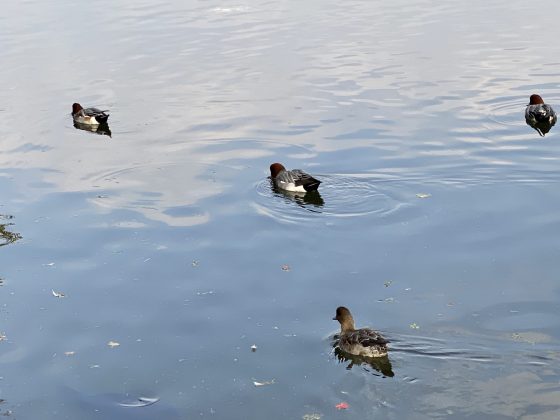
<point>539,115</point>
<point>101,129</point>
<point>302,199</point>
<point>379,364</point>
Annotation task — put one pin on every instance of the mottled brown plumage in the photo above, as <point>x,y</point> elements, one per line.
<point>360,342</point>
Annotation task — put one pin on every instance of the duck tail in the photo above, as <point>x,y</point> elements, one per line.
<point>311,185</point>
<point>102,118</point>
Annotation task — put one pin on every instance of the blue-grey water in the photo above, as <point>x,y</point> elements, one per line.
<point>137,270</point>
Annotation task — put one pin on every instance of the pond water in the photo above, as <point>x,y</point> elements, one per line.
<point>138,269</point>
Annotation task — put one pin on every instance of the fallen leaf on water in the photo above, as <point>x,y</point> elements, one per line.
<point>423,195</point>
<point>263,383</point>
<point>139,402</point>
<point>58,294</point>
<point>113,344</point>
<point>342,406</point>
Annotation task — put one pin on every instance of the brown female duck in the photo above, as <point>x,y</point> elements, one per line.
<point>360,342</point>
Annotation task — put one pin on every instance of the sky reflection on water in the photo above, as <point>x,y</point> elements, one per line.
<point>436,220</point>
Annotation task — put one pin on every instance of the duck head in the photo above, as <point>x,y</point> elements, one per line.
<point>275,169</point>
<point>76,107</point>
<point>535,100</point>
<point>344,316</point>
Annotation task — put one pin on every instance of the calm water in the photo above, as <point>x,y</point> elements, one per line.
<point>437,220</point>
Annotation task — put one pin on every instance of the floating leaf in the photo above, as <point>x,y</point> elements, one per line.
<point>139,402</point>
<point>342,406</point>
<point>263,383</point>
<point>58,294</point>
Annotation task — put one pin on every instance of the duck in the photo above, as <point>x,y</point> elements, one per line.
<point>295,180</point>
<point>539,112</point>
<point>88,116</point>
<point>363,342</point>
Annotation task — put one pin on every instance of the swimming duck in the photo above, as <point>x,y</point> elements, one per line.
<point>89,116</point>
<point>295,180</point>
<point>359,342</point>
<point>539,112</point>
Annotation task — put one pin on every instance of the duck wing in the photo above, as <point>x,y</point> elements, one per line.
<point>540,113</point>
<point>99,115</point>
<point>366,337</point>
<point>304,180</point>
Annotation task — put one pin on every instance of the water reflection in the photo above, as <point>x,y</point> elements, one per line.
<point>7,236</point>
<point>379,364</point>
<point>101,129</point>
<point>302,199</point>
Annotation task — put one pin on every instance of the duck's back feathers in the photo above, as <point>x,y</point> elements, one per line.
<point>90,116</point>
<point>363,342</point>
<point>540,113</point>
<point>297,180</point>
<point>100,116</point>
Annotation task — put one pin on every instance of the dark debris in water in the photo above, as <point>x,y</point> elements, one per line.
<point>6,235</point>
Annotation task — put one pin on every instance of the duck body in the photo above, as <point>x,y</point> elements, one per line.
<point>539,112</point>
<point>295,180</point>
<point>88,116</point>
<point>363,342</point>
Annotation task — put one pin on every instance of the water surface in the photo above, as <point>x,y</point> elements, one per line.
<point>436,221</point>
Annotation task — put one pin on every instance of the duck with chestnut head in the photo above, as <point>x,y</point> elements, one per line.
<point>88,116</point>
<point>539,115</point>
<point>295,180</point>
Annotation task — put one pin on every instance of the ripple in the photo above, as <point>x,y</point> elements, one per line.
<point>508,111</point>
<point>340,196</point>
<point>438,349</point>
